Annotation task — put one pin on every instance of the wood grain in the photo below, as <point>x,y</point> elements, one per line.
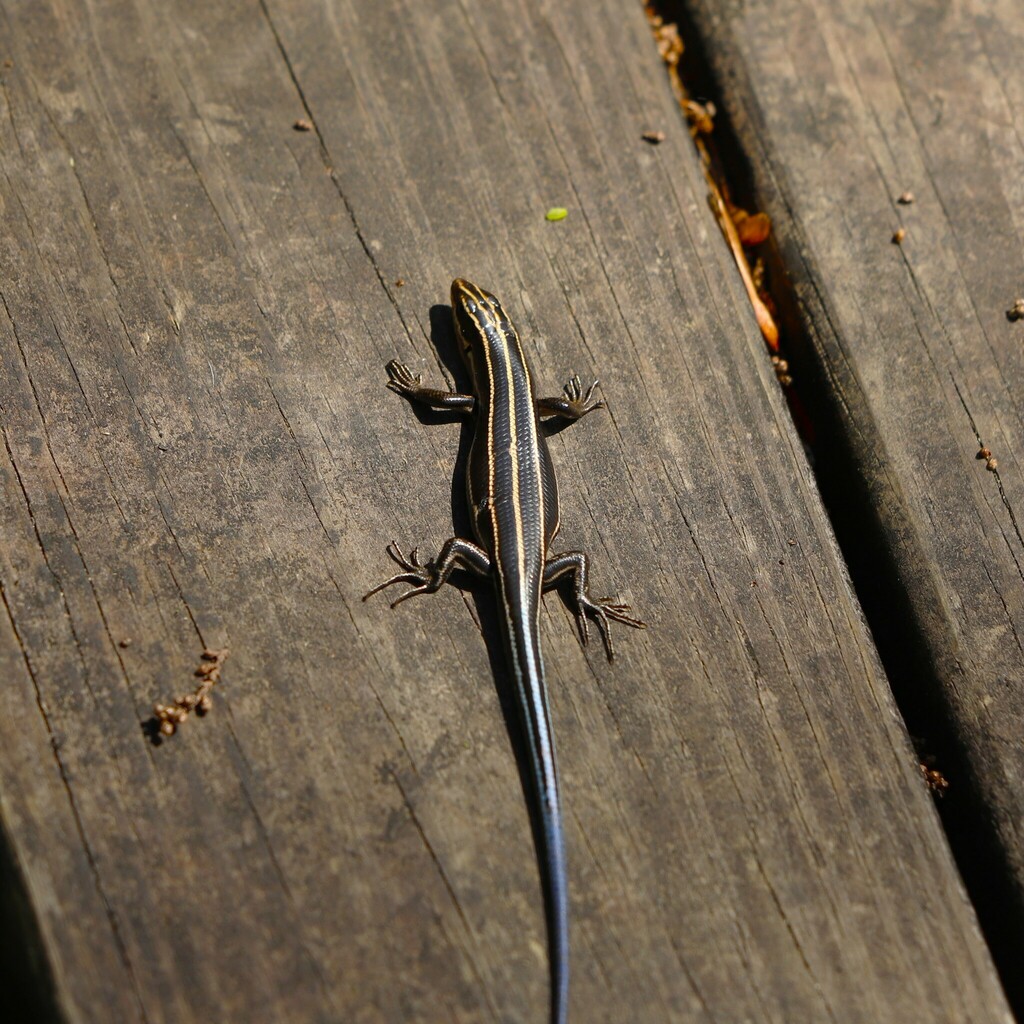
<point>842,109</point>
<point>200,451</point>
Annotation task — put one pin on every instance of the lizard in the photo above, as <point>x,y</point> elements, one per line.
<point>513,502</point>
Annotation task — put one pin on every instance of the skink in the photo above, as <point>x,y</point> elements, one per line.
<point>513,501</point>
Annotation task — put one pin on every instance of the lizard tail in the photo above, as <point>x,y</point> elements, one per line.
<point>556,900</point>
<point>549,839</point>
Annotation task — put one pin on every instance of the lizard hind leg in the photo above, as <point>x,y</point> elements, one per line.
<point>429,577</point>
<point>573,564</point>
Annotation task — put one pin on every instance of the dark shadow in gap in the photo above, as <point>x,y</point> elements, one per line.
<point>27,983</point>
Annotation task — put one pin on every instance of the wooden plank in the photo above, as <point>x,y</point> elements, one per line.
<point>843,109</point>
<point>199,451</point>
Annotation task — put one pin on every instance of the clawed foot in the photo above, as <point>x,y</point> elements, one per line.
<point>402,380</point>
<point>579,403</point>
<point>423,578</point>
<point>602,611</point>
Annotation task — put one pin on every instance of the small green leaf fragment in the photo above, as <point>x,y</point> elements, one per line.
<point>557,213</point>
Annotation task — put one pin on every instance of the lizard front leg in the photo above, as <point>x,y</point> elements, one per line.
<point>572,404</point>
<point>430,577</point>
<point>573,564</point>
<point>404,382</point>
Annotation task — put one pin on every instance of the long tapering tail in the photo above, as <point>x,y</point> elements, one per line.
<point>556,901</point>
<point>531,694</point>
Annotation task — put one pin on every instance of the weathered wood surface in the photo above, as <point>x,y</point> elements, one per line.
<point>198,302</point>
<point>842,108</point>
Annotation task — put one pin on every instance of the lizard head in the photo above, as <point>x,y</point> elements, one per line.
<point>475,311</point>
